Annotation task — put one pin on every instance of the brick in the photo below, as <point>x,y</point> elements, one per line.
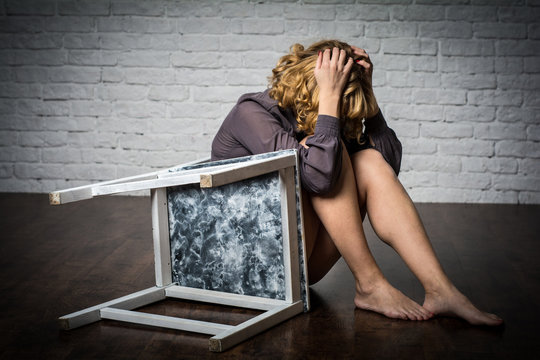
<point>17,7</point>
<point>534,31</point>
<point>116,156</point>
<point>428,112</point>
<point>81,41</point>
<point>62,155</point>
<point>18,91</point>
<point>192,126</point>
<point>467,147</point>
<point>533,132</point>
<point>220,93</point>
<point>208,60</point>
<point>84,7</point>
<point>122,92</point>
<point>516,114</point>
<point>21,24</point>
<point>529,167</point>
<point>516,182</point>
<point>98,172</point>
<point>529,197</point>
<point>405,128</point>
<point>153,59</point>
<point>349,28</point>
<point>199,109</point>
<point>445,29</point>
<point>517,149</point>
<point>518,14</point>
<point>151,142</point>
<point>90,108</point>
<point>8,138</point>
<point>490,97</point>
<point>442,2</point>
<point>517,47</point>
<point>139,109</point>
<point>452,97</point>
<point>523,81</point>
<point>391,62</point>
<point>252,59</point>
<point>500,2</point>
<point>37,57</point>
<point>39,171</point>
<point>237,10</point>
<point>136,25</point>
<point>42,139</point>
<point>270,10</point>
<point>309,12</point>
<point>245,42</point>
<point>418,179</point>
<point>423,63</point>
<point>66,24</point>
<point>469,81</point>
<point>96,58</point>
<point>439,130</point>
<point>500,31</point>
<point>392,29</point>
<point>117,124</point>
<point>489,165</point>
<point>434,163</point>
<point>419,146</point>
<point>466,65</point>
<point>409,46</point>
<point>471,13</point>
<point>68,123</point>
<point>144,8</point>
<point>531,98</point>
<point>247,77</point>
<point>531,64</point>
<point>28,74</point>
<point>20,154</point>
<point>500,131</point>
<point>464,180</point>
<point>418,13</point>
<point>467,47</point>
<point>261,26</point>
<point>183,76</point>
<point>67,91</point>
<point>204,26</point>
<point>150,76</point>
<point>393,95</point>
<point>42,108</point>
<point>203,8</point>
<point>75,74</point>
<point>37,41</point>
<point>199,43</point>
<point>362,12</point>
<point>168,93</point>
<point>112,75</point>
<point>509,65</point>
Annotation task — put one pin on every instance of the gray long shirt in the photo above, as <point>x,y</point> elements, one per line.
<point>257,125</point>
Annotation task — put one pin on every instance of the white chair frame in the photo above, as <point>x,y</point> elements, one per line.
<point>224,336</point>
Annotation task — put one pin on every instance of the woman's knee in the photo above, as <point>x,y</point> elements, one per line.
<point>370,164</point>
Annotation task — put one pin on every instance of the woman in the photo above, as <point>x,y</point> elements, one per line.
<point>317,101</point>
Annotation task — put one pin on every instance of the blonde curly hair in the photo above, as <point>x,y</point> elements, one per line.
<point>293,85</point>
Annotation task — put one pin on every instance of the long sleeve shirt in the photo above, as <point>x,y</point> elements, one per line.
<point>257,125</point>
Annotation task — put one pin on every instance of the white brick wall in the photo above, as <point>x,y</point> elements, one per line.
<point>97,89</point>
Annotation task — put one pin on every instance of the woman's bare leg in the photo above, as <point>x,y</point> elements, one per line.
<point>395,220</point>
<point>339,213</point>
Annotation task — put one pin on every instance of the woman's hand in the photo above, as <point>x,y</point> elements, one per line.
<point>364,61</point>
<point>332,72</point>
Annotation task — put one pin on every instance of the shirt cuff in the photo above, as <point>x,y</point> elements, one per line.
<point>328,125</point>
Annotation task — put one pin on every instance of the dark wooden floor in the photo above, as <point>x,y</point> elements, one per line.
<point>56,260</point>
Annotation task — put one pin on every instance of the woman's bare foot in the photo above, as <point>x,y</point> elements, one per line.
<point>387,300</point>
<point>451,302</point>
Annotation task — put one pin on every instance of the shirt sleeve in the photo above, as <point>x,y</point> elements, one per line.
<point>385,140</point>
<point>259,131</point>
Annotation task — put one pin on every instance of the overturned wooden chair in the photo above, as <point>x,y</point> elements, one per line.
<point>226,232</point>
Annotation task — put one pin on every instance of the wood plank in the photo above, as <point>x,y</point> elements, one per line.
<point>131,301</point>
<point>86,191</point>
<point>246,170</point>
<point>290,234</point>
<point>222,298</point>
<point>169,322</point>
<point>247,329</point>
<point>146,184</point>
<point>160,232</point>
